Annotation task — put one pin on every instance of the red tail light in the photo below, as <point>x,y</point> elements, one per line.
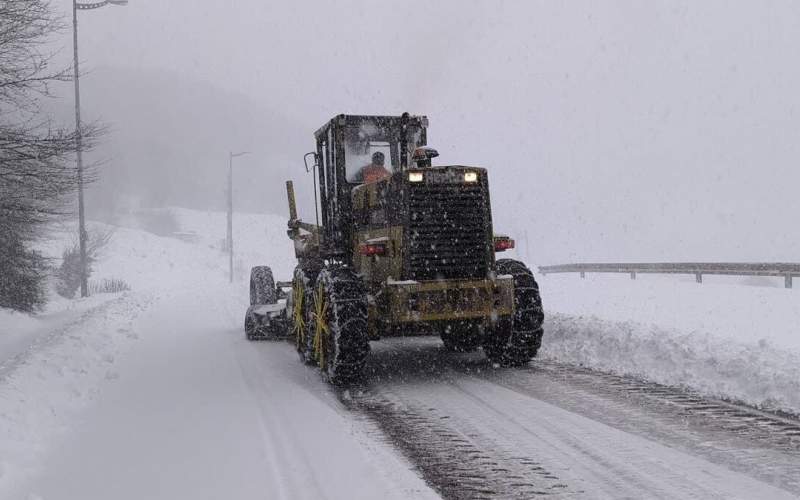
<point>501,244</point>
<point>370,249</point>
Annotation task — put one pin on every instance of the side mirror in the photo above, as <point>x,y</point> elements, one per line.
<point>315,156</point>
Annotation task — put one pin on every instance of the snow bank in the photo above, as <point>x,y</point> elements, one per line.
<point>16,322</point>
<point>721,339</point>
<point>19,330</point>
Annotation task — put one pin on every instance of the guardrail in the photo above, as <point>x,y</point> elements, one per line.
<point>785,270</point>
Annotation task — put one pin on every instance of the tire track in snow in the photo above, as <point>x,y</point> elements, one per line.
<point>739,437</point>
<point>453,460</point>
<point>477,432</point>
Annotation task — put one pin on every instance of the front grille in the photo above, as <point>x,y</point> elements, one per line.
<point>448,225</point>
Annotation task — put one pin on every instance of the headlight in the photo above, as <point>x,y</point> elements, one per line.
<point>415,177</point>
<point>471,177</point>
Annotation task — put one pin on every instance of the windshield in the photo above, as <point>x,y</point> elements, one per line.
<point>361,158</point>
<point>374,150</point>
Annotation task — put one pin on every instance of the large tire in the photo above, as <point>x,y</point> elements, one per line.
<point>262,286</point>
<point>250,325</point>
<point>515,341</point>
<point>461,336</point>
<point>341,341</point>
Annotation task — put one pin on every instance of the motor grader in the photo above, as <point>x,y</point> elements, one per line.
<point>411,252</point>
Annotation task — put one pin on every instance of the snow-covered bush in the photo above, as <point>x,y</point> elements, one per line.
<point>108,286</point>
<point>68,275</point>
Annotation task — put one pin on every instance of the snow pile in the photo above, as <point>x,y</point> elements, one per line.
<point>19,330</point>
<point>723,340</point>
<point>13,321</point>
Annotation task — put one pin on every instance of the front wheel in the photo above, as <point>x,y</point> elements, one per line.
<point>249,325</point>
<point>515,341</point>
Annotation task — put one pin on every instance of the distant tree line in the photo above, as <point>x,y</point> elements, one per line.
<point>38,178</point>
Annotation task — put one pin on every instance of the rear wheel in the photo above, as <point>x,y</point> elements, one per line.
<point>339,313</point>
<point>254,328</point>
<point>249,325</point>
<point>516,340</point>
<point>262,286</point>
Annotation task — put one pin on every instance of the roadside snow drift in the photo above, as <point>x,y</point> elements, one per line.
<point>721,339</point>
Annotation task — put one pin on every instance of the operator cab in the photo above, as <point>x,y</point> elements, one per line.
<point>348,146</point>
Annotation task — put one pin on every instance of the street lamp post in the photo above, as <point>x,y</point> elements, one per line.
<point>79,135</point>
<point>230,211</point>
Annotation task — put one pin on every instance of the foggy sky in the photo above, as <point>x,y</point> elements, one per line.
<point>613,130</point>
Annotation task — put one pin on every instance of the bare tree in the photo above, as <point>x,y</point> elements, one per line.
<point>37,175</point>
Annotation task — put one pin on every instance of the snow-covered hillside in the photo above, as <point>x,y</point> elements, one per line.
<point>148,262</point>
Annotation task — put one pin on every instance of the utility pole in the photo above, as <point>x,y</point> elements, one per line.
<point>231,156</point>
<point>79,134</point>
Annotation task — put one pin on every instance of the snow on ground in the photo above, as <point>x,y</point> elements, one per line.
<point>721,338</point>
<point>20,331</point>
<point>154,393</point>
<point>43,390</point>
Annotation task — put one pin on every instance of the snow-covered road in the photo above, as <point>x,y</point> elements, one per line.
<point>190,409</point>
<point>477,431</point>
<point>193,410</point>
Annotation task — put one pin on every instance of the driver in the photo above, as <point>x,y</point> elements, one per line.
<point>373,172</point>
